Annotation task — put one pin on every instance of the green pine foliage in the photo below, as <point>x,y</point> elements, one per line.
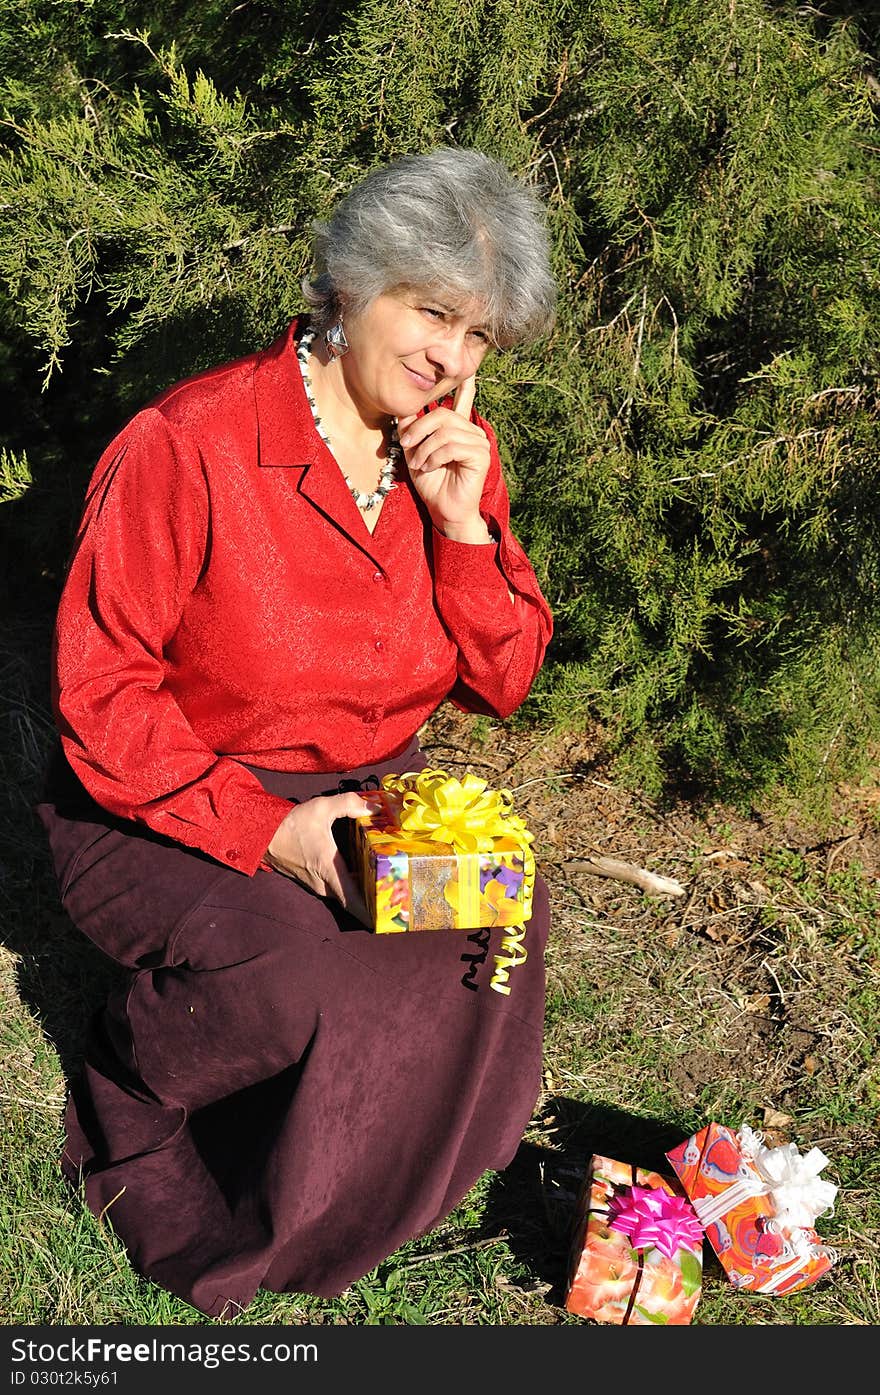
<point>693,453</point>
<point>15,476</point>
<point>726,467</point>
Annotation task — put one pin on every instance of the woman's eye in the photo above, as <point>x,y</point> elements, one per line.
<point>432,311</point>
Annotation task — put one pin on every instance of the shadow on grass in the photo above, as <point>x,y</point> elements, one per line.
<point>61,978</point>
<point>533,1201</point>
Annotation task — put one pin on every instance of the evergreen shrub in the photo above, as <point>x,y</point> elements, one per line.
<point>693,456</point>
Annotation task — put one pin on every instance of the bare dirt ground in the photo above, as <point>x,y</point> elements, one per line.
<point>773,945</point>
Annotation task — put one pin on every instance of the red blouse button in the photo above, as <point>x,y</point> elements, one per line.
<point>233,854</point>
<point>379,645</point>
<point>377,576</point>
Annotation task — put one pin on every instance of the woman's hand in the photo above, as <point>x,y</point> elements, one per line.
<point>448,459</point>
<point>303,847</point>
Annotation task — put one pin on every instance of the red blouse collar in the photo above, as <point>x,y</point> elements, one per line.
<point>286,434</point>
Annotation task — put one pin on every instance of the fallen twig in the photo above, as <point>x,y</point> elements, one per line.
<point>627,872</point>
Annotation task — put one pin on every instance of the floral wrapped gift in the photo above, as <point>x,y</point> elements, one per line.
<point>438,853</point>
<point>758,1205</point>
<point>637,1250</point>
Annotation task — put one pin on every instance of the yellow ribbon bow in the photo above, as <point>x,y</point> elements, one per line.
<point>465,814</point>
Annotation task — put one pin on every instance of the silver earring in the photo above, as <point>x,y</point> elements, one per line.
<point>335,339</point>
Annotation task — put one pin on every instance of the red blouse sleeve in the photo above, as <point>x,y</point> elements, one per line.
<point>138,554</point>
<point>501,644</point>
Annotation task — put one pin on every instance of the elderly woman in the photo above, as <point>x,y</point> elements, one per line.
<point>285,565</point>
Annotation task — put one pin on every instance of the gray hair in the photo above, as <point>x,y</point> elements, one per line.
<point>452,220</point>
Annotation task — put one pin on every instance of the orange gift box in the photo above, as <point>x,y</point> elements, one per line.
<point>613,1278</point>
<point>729,1178</point>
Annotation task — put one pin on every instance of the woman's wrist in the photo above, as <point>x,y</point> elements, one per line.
<point>475,532</point>
<point>269,862</point>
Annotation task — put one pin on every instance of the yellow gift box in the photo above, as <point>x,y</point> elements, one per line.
<point>438,853</point>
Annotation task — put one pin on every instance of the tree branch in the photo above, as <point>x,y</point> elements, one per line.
<point>627,872</point>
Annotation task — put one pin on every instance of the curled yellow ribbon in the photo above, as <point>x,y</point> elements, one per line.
<point>464,814</point>
<point>514,955</point>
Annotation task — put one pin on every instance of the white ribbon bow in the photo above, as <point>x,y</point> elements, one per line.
<point>793,1183</point>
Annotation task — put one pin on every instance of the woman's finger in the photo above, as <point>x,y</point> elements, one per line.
<point>348,805</point>
<point>340,882</point>
<point>435,457</point>
<point>463,398</point>
<point>441,425</point>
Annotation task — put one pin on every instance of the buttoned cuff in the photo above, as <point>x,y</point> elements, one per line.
<point>467,566</point>
<point>257,816</point>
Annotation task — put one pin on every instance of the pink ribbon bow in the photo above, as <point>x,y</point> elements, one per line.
<point>653,1216</point>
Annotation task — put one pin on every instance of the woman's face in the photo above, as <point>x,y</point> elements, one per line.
<point>411,347</point>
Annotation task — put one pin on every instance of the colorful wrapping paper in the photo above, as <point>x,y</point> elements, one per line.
<point>437,853</point>
<point>744,1209</point>
<point>612,1279</point>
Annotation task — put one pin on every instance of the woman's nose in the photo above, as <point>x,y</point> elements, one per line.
<point>452,354</point>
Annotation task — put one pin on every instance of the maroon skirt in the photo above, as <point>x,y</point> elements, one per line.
<point>276,1097</point>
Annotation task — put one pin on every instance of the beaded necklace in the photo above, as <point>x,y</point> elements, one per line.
<point>386,478</point>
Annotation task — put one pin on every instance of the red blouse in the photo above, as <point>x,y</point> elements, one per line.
<point>226,603</point>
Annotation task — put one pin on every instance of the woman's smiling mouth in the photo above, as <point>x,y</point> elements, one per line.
<point>420,379</point>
